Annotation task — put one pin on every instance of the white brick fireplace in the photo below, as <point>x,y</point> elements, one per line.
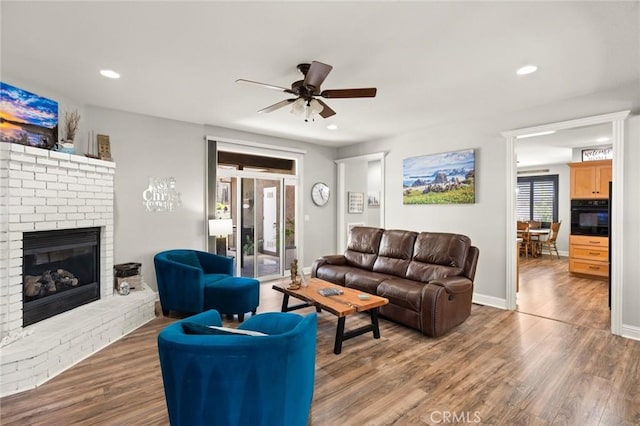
<point>46,190</point>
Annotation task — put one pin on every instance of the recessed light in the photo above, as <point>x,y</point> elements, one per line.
<point>527,69</point>
<point>530,135</point>
<point>332,127</point>
<point>109,74</point>
<point>603,139</point>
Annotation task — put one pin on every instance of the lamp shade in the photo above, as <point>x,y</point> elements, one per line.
<point>220,227</point>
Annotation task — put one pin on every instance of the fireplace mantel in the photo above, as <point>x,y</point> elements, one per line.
<point>47,190</point>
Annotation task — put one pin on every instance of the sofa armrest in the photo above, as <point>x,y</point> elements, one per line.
<point>180,286</point>
<point>210,317</point>
<point>215,264</point>
<point>334,259</point>
<point>454,285</point>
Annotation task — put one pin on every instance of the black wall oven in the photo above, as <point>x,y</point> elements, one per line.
<point>590,217</point>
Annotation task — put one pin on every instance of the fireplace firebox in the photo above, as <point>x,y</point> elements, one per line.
<point>60,271</point>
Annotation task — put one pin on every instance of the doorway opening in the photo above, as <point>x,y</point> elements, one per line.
<point>615,121</point>
<point>258,193</point>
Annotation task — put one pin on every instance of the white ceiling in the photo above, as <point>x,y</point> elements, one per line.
<point>557,148</point>
<point>432,62</point>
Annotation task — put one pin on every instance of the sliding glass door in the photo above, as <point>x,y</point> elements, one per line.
<point>263,215</point>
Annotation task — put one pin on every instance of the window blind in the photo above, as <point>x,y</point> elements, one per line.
<point>537,198</point>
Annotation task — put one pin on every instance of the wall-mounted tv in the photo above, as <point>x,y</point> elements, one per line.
<point>26,118</point>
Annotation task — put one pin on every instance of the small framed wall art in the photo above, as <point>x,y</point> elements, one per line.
<point>594,154</point>
<point>373,199</point>
<point>355,202</point>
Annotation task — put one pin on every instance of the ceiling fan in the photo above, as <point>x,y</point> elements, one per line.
<point>308,89</point>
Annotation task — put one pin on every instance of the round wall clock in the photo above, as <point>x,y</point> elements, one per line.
<point>320,193</point>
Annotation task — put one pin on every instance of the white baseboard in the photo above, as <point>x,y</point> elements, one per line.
<point>630,332</point>
<point>483,299</point>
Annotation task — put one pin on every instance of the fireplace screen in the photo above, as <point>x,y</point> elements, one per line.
<point>60,271</point>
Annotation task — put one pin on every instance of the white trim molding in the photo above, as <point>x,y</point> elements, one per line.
<point>630,332</point>
<point>341,194</point>
<point>495,302</point>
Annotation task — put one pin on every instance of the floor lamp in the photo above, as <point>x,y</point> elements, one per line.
<point>220,228</point>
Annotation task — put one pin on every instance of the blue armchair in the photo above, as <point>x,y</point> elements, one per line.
<point>183,275</point>
<point>236,379</point>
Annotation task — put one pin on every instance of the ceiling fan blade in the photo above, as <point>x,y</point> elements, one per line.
<point>265,85</point>
<point>316,74</point>
<point>278,105</point>
<point>326,110</point>
<point>369,92</point>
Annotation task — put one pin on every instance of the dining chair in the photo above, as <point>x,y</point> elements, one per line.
<point>534,224</point>
<point>550,242</point>
<point>523,232</point>
<point>534,239</point>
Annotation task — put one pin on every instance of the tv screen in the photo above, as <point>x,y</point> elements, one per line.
<point>26,118</point>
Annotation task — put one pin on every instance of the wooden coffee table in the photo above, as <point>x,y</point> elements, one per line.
<point>340,305</point>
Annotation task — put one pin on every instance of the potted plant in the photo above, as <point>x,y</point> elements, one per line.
<point>70,127</point>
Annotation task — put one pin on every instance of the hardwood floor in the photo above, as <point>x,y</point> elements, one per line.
<point>497,368</point>
<point>547,290</point>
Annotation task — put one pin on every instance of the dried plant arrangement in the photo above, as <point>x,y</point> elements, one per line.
<point>71,122</point>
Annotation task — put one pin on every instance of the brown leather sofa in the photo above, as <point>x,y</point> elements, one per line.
<point>427,276</point>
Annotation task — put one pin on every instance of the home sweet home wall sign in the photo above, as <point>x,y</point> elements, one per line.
<point>161,195</point>
<point>597,154</point>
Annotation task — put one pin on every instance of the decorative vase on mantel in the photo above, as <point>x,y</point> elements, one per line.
<point>65,146</point>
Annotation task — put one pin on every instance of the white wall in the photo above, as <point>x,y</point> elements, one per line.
<point>564,200</point>
<point>143,147</point>
<point>631,224</point>
<point>356,177</point>
<point>374,185</point>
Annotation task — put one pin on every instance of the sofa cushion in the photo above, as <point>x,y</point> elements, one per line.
<point>185,257</point>
<point>438,255</point>
<point>425,272</point>
<point>366,281</point>
<point>441,249</point>
<point>402,292</point>
<point>395,252</point>
<point>362,248</point>
<point>212,278</point>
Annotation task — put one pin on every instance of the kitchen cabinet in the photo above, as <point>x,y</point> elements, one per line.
<point>590,179</point>
<point>589,255</point>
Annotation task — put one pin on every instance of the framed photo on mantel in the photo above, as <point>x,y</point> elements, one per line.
<point>104,148</point>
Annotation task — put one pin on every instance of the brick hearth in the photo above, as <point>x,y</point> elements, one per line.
<point>47,190</point>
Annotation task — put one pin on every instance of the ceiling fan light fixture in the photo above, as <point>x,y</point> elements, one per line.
<point>306,91</point>
<point>297,107</point>
<point>316,107</point>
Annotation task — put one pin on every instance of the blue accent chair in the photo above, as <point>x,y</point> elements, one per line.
<point>194,281</point>
<point>237,380</point>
